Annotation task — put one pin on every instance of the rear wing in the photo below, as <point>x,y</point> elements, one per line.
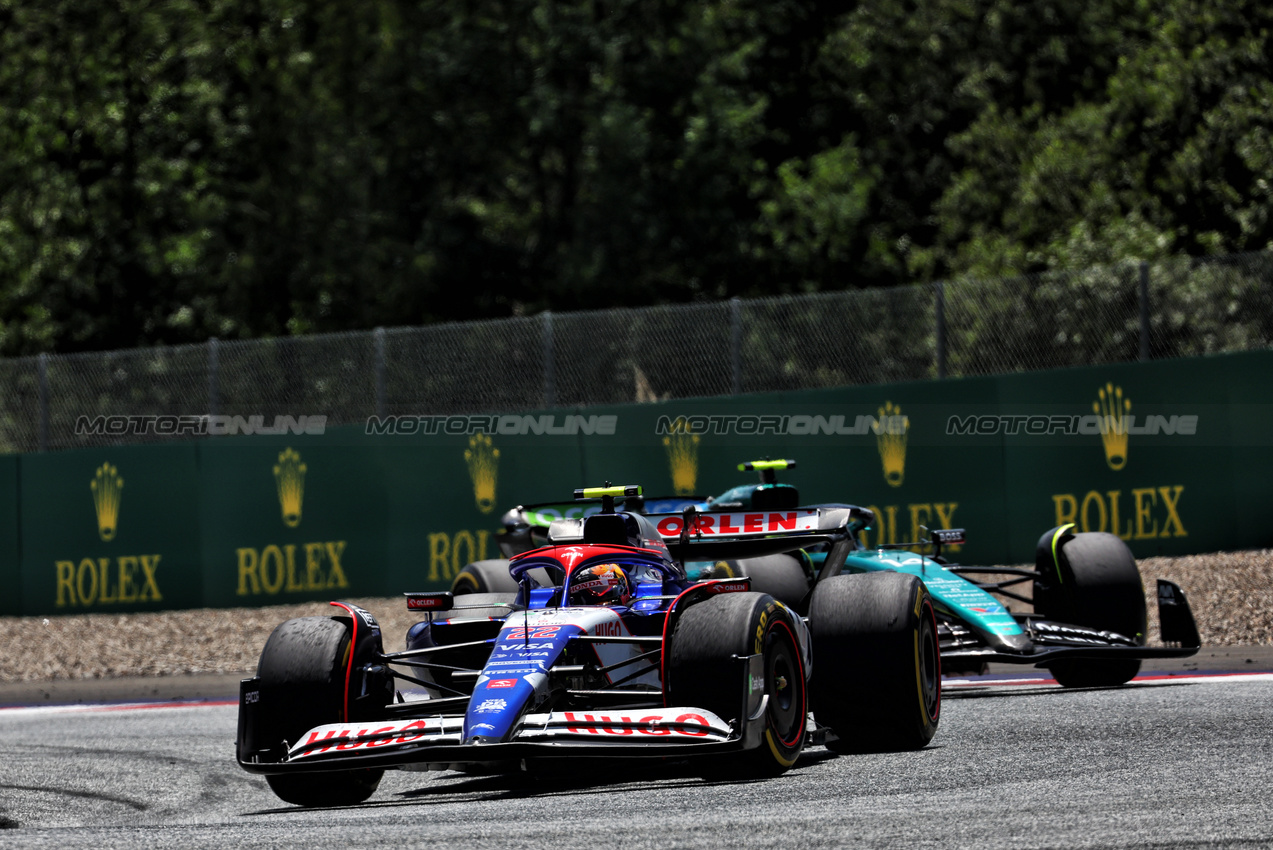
<point>700,536</point>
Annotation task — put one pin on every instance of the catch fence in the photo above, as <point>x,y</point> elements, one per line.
<point>1133,311</point>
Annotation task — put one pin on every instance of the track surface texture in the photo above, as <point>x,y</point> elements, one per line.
<point>1180,762</point>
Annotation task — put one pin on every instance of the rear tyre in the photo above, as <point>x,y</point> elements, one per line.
<point>302,673</point>
<point>781,576</point>
<point>1092,582</point>
<point>702,672</point>
<point>484,577</point>
<point>877,671</point>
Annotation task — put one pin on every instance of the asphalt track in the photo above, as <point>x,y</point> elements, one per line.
<point>1171,760</point>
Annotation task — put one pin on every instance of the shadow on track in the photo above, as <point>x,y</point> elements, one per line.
<point>1008,692</point>
<point>563,778</point>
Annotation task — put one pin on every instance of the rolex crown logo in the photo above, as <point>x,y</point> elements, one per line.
<point>1112,409</point>
<point>483,461</point>
<point>289,475</point>
<point>682,460</point>
<point>890,438</point>
<point>106,486</point>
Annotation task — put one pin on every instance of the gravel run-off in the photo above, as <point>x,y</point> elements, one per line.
<point>1231,594</point>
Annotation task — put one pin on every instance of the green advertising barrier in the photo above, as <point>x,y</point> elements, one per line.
<point>450,489</point>
<point>1184,466</point>
<point>110,529</point>
<point>10,572</point>
<point>290,519</point>
<point>1249,381</point>
<point>1160,477</point>
<point>881,447</point>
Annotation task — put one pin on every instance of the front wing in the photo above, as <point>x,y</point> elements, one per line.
<point>682,731</point>
<point>1050,641</point>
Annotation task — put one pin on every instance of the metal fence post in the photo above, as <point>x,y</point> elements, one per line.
<point>379,336</point>
<point>550,378</point>
<point>214,367</point>
<point>1144,310</point>
<point>940,287</point>
<point>42,365</point>
<point>736,344</point>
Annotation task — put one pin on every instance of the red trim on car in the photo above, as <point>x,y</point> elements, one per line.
<point>349,667</point>
<point>593,549</point>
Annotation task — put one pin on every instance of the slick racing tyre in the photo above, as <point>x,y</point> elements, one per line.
<point>877,666</point>
<point>781,576</point>
<point>302,673</point>
<point>1093,581</point>
<point>703,672</point>
<point>484,577</point>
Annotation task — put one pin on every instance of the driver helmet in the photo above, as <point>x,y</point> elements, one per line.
<point>603,584</point>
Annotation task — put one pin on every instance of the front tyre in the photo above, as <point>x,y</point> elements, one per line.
<point>302,682</point>
<point>1091,579</point>
<point>703,672</point>
<point>877,666</point>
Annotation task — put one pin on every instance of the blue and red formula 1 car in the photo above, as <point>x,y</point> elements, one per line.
<point>607,649</point>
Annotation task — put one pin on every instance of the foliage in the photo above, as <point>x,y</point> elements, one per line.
<point>180,169</point>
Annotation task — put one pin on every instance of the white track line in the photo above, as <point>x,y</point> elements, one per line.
<point>92,708</point>
<point>1162,678</point>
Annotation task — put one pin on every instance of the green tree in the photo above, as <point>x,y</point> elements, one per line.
<point>1169,154</point>
<point>246,168</point>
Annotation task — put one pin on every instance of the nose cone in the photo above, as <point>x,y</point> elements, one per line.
<point>497,704</point>
<point>514,677</point>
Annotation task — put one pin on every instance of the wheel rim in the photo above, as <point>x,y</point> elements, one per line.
<point>929,663</point>
<point>784,684</point>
